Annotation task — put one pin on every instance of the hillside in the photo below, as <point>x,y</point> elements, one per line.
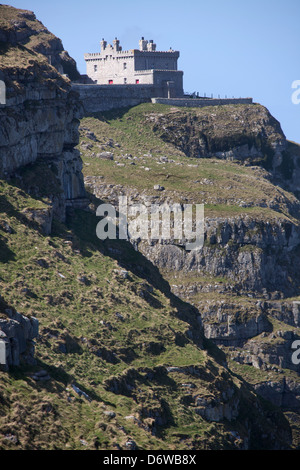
<point>109,325</point>
<point>119,346</point>
<point>23,33</point>
<point>245,281</point>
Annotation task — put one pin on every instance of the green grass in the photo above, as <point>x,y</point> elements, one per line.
<point>68,311</point>
<point>98,346</point>
<point>226,188</point>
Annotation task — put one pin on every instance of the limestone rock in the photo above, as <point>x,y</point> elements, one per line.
<point>22,27</point>
<point>105,155</point>
<point>243,133</point>
<point>42,218</point>
<point>18,333</point>
<point>39,123</point>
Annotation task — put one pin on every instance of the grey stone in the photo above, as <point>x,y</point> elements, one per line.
<point>19,331</point>
<point>109,414</point>
<point>90,135</point>
<point>81,393</point>
<point>3,359</point>
<point>130,445</point>
<point>105,155</point>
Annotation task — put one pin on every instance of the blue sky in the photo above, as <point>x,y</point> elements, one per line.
<point>234,47</point>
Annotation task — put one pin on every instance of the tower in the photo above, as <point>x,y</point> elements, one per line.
<point>116,45</point>
<point>151,47</point>
<point>143,44</point>
<point>103,45</point>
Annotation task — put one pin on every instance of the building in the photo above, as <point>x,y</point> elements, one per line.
<point>121,79</point>
<point>143,66</point>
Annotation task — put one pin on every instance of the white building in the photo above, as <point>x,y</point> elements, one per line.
<point>143,66</point>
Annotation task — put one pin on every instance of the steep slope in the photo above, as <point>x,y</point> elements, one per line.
<point>247,133</point>
<point>120,362</point>
<point>251,225</point>
<point>39,123</point>
<point>22,28</point>
<point>245,281</point>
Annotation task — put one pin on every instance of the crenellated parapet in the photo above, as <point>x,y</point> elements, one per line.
<point>113,66</point>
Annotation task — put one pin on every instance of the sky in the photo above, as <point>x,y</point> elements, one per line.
<point>240,48</point>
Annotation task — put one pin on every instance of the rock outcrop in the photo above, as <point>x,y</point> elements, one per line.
<point>17,333</point>
<point>254,256</point>
<point>22,28</point>
<point>39,122</point>
<point>245,134</point>
<point>245,280</point>
<point>284,392</point>
<point>249,134</point>
<point>250,254</point>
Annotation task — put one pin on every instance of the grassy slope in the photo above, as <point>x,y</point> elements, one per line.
<point>142,159</point>
<point>84,342</point>
<point>24,60</point>
<point>226,188</point>
<point>72,283</point>
<point>27,40</point>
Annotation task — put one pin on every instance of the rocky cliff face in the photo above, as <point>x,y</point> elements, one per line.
<point>247,267</point>
<point>245,280</point>
<point>252,254</point>
<point>39,122</point>
<point>17,334</point>
<point>22,28</point>
<point>38,134</point>
<point>248,134</point>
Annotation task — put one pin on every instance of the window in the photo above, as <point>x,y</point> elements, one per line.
<point>124,66</point>
<point>125,81</point>
<point>110,82</point>
<point>137,81</point>
<point>95,68</point>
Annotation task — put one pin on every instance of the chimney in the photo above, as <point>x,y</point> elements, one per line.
<point>116,44</point>
<point>143,44</point>
<point>103,45</point>
<point>151,46</point>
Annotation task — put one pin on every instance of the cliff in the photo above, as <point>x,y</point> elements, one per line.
<point>22,28</point>
<point>113,344</point>
<point>246,133</point>
<point>17,335</point>
<point>244,281</point>
<point>39,122</point>
<point>123,358</point>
